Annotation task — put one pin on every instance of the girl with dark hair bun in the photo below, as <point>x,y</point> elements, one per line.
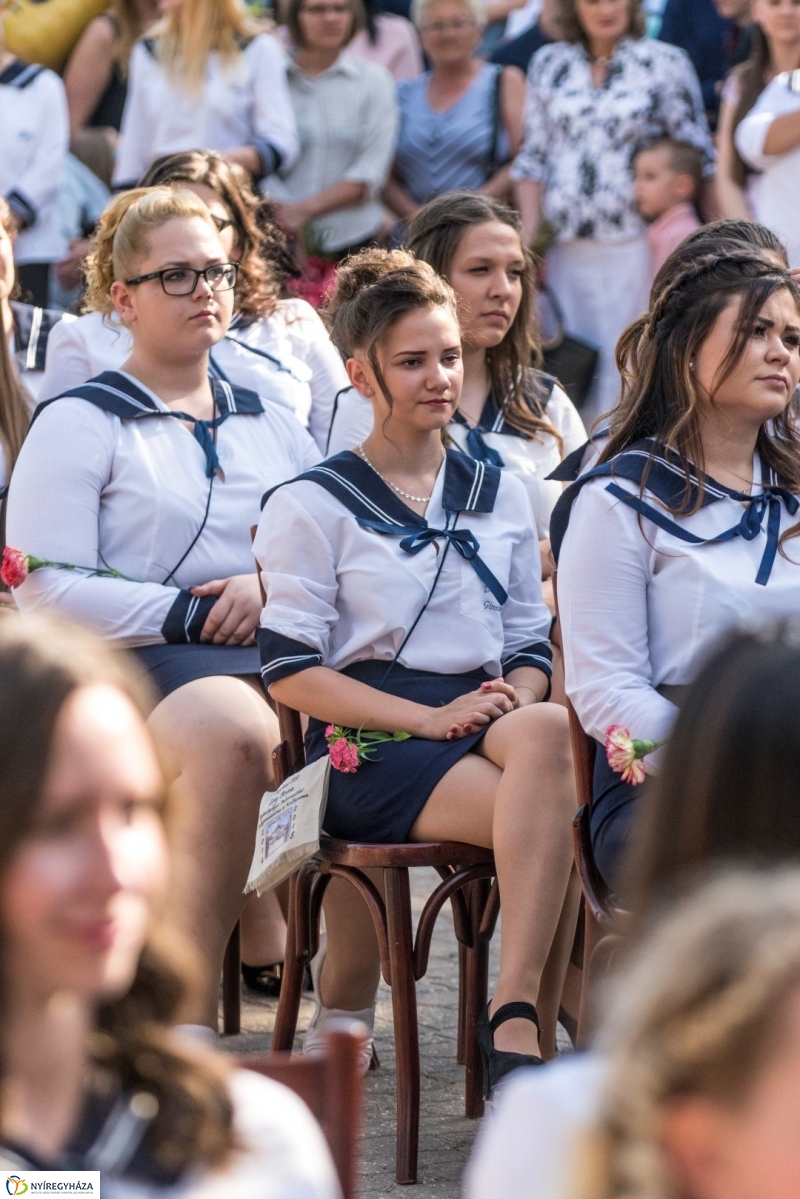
<point>93,1073</point>
<point>688,521</point>
<point>275,346</point>
<point>509,414</point>
<point>403,595</point>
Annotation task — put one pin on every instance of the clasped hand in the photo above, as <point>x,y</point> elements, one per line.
<point>471,712</point>
<point>235,616</point>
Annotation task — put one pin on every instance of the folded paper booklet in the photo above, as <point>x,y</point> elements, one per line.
<point>289,823</point>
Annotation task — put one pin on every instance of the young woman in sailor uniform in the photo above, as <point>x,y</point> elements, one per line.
<point>34,138</point>
<point>403,594</point>
<point>156,472</point>
<point>687,524</point>
<point>509,415</point>
<point>276,347</point>
<point>207,77</point>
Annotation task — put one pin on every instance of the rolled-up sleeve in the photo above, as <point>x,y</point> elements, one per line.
<point>775,101</point>
<point>274,126</point>
<point>377,132</point>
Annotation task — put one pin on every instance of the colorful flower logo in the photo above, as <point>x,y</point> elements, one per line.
<point>16,1185</point>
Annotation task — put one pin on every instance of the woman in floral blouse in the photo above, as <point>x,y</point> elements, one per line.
<point>593,100</point>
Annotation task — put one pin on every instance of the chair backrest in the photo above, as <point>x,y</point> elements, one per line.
<point>330,1085</point>
<point>584,747</point>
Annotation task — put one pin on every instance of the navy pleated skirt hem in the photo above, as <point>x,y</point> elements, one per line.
<point>172,666</point>
<point>613,810</point>
<point>381,801</point>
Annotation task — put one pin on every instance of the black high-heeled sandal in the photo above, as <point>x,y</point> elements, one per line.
<point>497,1063</point>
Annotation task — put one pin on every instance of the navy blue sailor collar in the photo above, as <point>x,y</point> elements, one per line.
<point>19,73</point>
<point>32,327</point>
<point>661,471</point>
<point>492,420</point>
<point>468,486</point>
<point>120,394</point>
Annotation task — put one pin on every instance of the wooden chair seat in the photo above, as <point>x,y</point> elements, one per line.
<point>373,855</point>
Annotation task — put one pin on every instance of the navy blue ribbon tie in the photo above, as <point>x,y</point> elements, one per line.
<point>480,451</point>
<point>464,542</point>
<point>765,503</point>
<point>202,434</point>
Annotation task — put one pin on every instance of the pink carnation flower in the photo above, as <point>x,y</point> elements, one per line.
<point>622,755</point>
<point>344,756</point>
<point>14,569</point>
<point>329,731</point>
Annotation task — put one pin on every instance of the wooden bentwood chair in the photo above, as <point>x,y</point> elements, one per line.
<point>332,1087</point>
<point>466,872</point>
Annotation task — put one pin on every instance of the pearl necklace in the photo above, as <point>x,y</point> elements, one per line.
<point>416,499</point>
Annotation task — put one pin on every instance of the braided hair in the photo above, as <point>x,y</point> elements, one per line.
<point>699,1010</point>
<point>659,399</point>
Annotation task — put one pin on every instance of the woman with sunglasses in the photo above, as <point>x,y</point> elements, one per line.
<point>156,472</point>
<point>278,347</point>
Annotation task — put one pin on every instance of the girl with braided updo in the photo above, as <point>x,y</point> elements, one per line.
<point>688,521</point>
<point>403,595</point>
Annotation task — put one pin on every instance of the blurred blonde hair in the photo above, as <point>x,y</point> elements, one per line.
<point>121,240</point>
<point>698,1010</point>
<point>197,28</point>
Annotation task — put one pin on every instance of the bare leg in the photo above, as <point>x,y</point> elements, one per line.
<point>551,989</point>
<point>521,802</point>
<point>352,966</point>
<point>263,930</point>
<point>215,735</point>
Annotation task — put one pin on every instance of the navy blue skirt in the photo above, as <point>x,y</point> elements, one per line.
<point>381,801</point>
<point>613,807</point>
<point>172,666</point>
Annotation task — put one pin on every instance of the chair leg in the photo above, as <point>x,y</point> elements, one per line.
<point>461,1051</point>
<point>232,986</point>
<point>404,1011</point>
<point>476,988</point>
<point>293,967</point>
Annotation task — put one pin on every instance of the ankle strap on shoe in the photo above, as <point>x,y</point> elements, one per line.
<point>518,1010</point>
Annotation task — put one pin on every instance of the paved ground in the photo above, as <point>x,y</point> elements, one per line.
<point>445,1135</point>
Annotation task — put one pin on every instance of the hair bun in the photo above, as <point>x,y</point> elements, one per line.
<point>365,268</point>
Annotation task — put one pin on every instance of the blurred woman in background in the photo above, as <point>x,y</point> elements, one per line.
<point>328,202</point>
<point>92,1075</point>
<point>460,121</point>
<point>208,77</point>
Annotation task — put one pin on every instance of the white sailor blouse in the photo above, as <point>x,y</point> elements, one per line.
<point>286,357</point>
<point>645,595</point>
<point>492,440</point>
<point>242,102</point>
<point>347,569</point>
<point>34,139</point>
<point>110,477</point>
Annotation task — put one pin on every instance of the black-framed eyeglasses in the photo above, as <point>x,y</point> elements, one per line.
<point>182,280</point>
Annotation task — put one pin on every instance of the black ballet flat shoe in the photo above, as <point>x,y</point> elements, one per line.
<point>266,980</point>
<point>497,1063</point>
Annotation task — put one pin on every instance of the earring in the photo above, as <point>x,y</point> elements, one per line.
<point>691,366</point>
